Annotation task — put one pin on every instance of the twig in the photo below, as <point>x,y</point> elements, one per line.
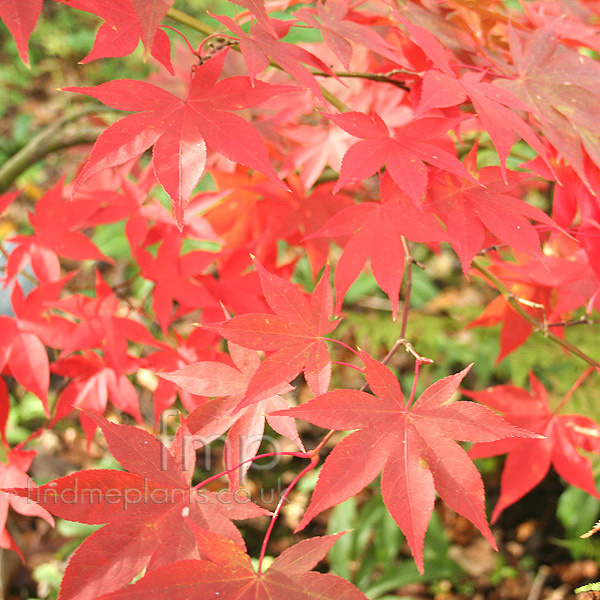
<point>537,587</point>
<point>583,320</point>
<point>313,463</point>
<point>516,304</point>
<point>382,77</point>
<point>411,350</point>
<point>407,287</point>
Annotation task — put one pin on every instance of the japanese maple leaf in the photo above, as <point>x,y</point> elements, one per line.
<point>338,31</point>
<point>180,130</point>
<point>403,152</point>
<point>102,325</point>
<point>299,214</point>
<point>56,222</point>
<point>31,312</point>
<point>125,23</point>
<point>376,230</point>
<point>260,45</point>
<point>551,286</point>
<point>172,274</point>
<point>199,345</point>
<point>229,574</point>
<point>293,335</point>
<point>413,445</point>
<point>92,384</point>
<point>150,15</point>
<point>241,198</point>
<point>528,461</point>
<point>7,199</point>
<point>22,352</point>
<point>238,289</point>
<point>229,385</point>
<point>147,511</point>
<point>470,210</point>
<point>562,86</point>
<point>271,214</point>
<point>494,106</point>
<point>21,16</point>
<point>314,148</point>
<point>13,473</point>
<point>259,10</point>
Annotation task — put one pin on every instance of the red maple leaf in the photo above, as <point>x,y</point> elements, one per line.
<point>150,14</point>
<point>125,23</point>
<point>199,345</point>
<point>13,474</point>
<point>314,148</point>
<point>376,230</point>
<point>561,86</point>
<point>172,274</point>
<point>22,352</point>
<point>470,210</point>
<point>229,574</point>
<point>293,217</point>
<point>494,105</point>
<point>93,382</point>
<point>229,384</point>
<point>102,325</point>
<point>180,130</point>
<point>404,152</point>
<point>528,461</point>
<point>20,16</point>
<point>262,43</point>
<point>4,410</point>
<point>338,31</point>
<point>147,511</point>
<point>293,335</point>
<point>258,9</point>
<point>413,445</point>
<point>56,222</point>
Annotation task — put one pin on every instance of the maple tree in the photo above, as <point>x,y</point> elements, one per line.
<point>291,168</point>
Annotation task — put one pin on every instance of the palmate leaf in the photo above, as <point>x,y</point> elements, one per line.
<point>229,384</point>
<point>180,130</point>
<point>412,445</point>
<point>562,86</point>
<point>471,211</point>
<point>228,574</point>
<point>125,23</point>
<point>375,231</point>
<point>528,461</point>
<point>293,335</point>
<point>148,512</point>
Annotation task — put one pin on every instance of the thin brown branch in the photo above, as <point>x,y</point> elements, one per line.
<point>583,320</point>
<point>381,77</point>
<point>408,262</point>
